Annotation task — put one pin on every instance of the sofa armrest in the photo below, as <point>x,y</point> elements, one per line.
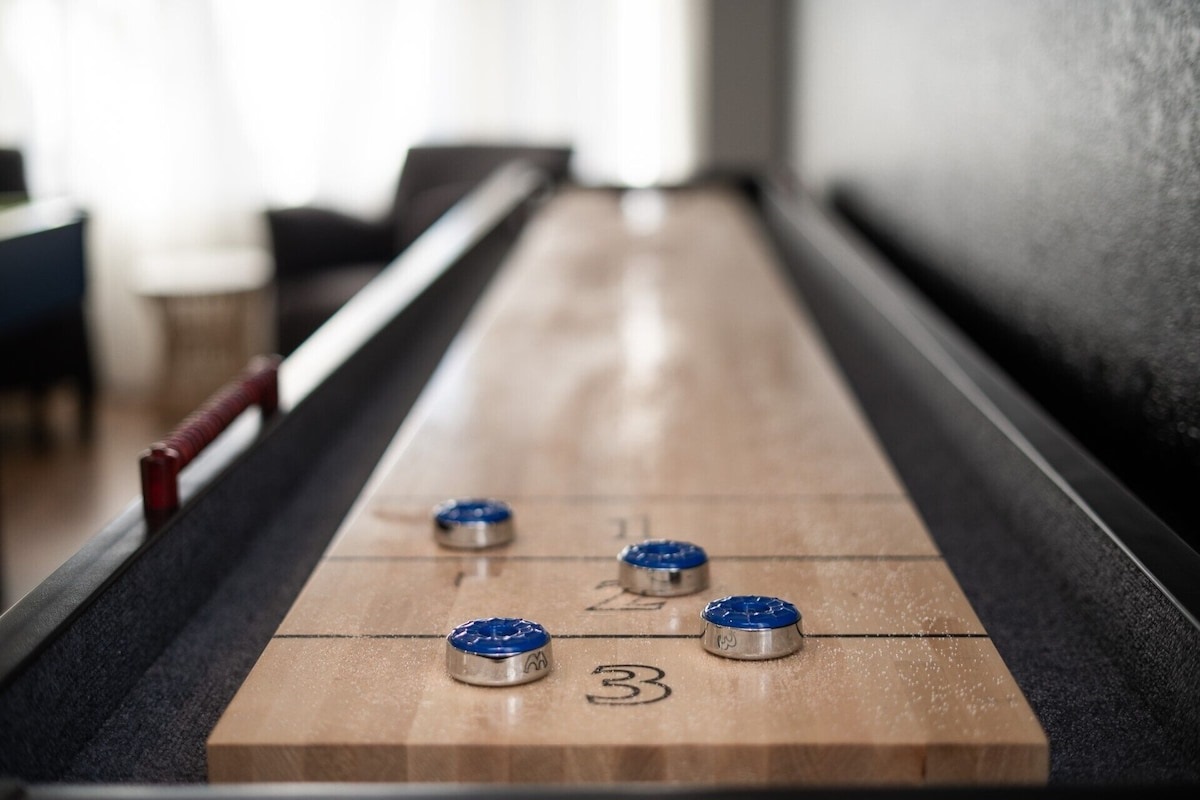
<point>308,239</point>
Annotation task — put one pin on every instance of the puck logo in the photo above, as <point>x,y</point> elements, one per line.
<point>536,662</point>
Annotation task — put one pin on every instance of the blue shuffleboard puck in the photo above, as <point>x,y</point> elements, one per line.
<point>473,524</point>
<point>498,651</point>
<point>663,568</point>
<point>751,627</point>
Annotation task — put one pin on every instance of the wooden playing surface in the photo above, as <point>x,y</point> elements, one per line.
<point>638,369</point>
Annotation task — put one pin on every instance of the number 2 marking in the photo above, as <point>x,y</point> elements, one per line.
<point>633,684</point>
<point>624,601</point>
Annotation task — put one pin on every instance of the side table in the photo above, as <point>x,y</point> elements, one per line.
<point>216,308</point>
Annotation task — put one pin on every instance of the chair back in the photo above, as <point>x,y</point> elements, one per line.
<point>436,176</point>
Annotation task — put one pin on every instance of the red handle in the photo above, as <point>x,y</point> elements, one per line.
<point>257,385</point>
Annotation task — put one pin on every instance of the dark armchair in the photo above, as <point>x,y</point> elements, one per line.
<point>323,257</point>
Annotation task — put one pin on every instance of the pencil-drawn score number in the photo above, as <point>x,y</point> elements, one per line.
<point>635,526</point>
<point>621,600</point>
<point>630,685</point>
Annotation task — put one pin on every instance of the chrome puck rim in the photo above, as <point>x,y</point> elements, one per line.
<point>473,523</point>
<point>663,568</point>
<point>751,627</point>
<point>499,651</point>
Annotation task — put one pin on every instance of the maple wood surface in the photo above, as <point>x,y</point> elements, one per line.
<point>638,369</point>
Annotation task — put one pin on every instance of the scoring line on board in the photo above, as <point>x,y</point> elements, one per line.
<point>504,557</point>
<point>384,498</point>
<point>433,636</point>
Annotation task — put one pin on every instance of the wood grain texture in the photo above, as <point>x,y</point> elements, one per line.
<point>633,374</point>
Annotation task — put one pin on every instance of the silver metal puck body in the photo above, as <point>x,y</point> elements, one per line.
<point>499,651</point>
<point>663,568</point>
<point>473,524</point>
<point>751,627</point>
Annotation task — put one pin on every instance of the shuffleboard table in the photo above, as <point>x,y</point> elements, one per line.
<point>724,363</point>
<point>637,371</point>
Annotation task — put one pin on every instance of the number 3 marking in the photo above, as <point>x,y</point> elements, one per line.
<point>635,684</point>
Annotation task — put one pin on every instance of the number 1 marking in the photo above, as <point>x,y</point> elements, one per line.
<point>624,525</point>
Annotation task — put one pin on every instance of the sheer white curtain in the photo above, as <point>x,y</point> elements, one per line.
<point>176,123</point>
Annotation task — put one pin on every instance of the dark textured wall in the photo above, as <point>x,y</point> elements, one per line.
<point>1035,166</point>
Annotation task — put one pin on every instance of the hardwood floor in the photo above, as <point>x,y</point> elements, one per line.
<point>53,497</point>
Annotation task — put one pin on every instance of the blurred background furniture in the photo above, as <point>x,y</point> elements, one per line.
<point>323,257</point>
<point>12,177</point>
<point>215,309</point>
<point>43,280</point>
